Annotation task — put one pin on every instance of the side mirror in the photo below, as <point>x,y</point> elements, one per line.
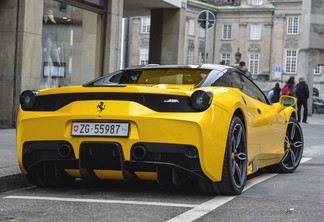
<point>287,101</point>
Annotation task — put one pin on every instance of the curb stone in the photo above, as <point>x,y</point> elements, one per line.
<point>11,178</point>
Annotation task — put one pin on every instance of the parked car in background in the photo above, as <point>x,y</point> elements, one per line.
<point>318,105</point>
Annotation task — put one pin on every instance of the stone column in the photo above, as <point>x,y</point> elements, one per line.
<point>112,53</point>
<point>20,43</point>
<point>311,45</point>
<point>278,44</point>
<point>167,36</point>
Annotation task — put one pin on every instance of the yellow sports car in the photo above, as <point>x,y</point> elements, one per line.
<point>168,124</point>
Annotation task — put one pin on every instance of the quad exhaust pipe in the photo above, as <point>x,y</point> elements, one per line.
<point>139,152</point>
<point>64,150</point>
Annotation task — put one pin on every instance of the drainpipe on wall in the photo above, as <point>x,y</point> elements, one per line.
<point>14,88</point>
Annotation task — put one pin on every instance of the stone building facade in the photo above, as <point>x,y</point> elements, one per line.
<point>276,38</point>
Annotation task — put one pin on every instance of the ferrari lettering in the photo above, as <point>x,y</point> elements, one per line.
<point>171,101</point>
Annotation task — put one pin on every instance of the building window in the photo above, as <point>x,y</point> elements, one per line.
<point>318,70</point>
<point>227,32</point>
<point>191,28</point>
<point>254,61</point>
<point>146,25</point>
<point>292,25</point>
<point>291,61</point>
<point>255,33</point>
<point>201,56</point>
<point>144,55</point>
<point>226,58</point>
<point>71,45</point>
<point>190,55</point>
<point>202,32</point>
<point>256,2</point>
<point>228,2</point>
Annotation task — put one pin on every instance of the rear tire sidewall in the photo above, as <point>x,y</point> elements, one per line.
<point>227,168</point>
<point>283,168</point>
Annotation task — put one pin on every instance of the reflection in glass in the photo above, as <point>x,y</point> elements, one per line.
<point>71,45</point>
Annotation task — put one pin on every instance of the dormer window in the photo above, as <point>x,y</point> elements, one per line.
<point>228,2</point>
<point>256,2</point>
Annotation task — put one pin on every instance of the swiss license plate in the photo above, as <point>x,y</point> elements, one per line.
<point>99,129</point>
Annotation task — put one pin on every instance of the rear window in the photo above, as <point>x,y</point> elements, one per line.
<point>153,76</point>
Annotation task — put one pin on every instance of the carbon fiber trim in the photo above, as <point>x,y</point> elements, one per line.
<point>156,102</point>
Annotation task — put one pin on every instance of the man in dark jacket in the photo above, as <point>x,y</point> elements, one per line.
<point>302,94</point>
<point>243,69</point>
<point>276,93</point>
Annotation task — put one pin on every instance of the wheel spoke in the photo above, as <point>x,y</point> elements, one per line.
<point>238,175</point>
<point>240,156</point>
<point>286,139</point>
<point>298,144</point>
<point>233,143</point>
<point>238,135</point>
<point>285,157</point>
<point>292,158</point>
<point>233,166</point>
<point>238,164</point>
<point>289,159</point>
<point>293,131</point>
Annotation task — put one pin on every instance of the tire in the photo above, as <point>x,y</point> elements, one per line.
<point>235,163</point>
<point>48,175</point>
<point>293,149</point>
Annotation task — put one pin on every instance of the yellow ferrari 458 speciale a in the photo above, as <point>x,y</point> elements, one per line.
<point>166,123</point>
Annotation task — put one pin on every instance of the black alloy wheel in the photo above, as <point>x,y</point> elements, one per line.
<point>235,163</point>
<point>293,149</point>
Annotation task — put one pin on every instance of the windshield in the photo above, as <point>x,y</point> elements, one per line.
<point>152,76</point>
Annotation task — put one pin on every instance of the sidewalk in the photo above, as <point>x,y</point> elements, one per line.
<point>11,177</point>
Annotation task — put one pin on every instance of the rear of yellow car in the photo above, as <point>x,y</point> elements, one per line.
<point>124,133</point>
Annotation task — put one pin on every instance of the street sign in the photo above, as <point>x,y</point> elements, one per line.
<point>206,19</point>
<point>278,72</point>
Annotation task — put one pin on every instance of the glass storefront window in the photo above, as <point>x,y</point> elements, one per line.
<point>71,45</point>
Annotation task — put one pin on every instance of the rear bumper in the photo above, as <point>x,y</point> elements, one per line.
<point>171,163</point>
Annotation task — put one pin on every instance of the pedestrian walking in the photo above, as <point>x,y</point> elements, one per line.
<point>289,88</point>
<point>275,93</point>
<point>302,94</point>
<point>243,69</point>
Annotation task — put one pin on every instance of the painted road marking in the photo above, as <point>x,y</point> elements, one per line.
<point>101,201</point>
<point>218,201</point>
<point>305,159</point>
<point>196,212</point>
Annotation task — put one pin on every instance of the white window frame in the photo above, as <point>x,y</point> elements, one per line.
<point>226,57</point>
<point>146,25</point>
<point>227,32</point>
<point>292,25</point>
<point>191,27</point>
<point>144,56</point>
<point>291,61</point>
<point>201,56</point>
<point>190,55</point>
<point>256,2</point>
<point>255,31</point>
<point>202,32</point>
<point>254,63</point>
<point>317,70</point>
